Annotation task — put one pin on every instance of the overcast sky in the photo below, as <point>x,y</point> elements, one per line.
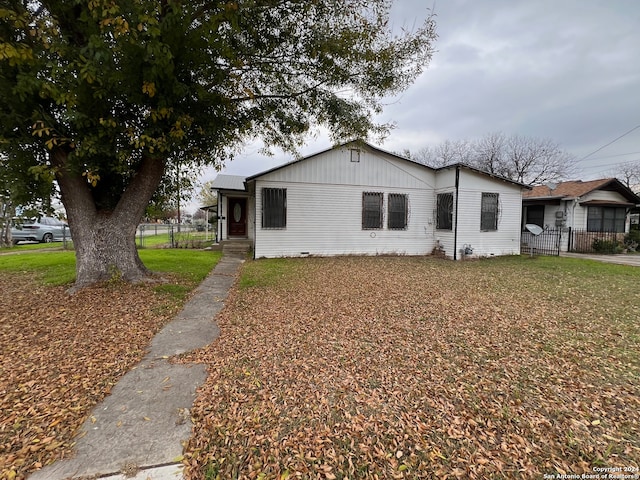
<point>568,70</point>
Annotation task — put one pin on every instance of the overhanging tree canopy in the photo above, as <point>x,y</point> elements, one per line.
<point>113,92</point>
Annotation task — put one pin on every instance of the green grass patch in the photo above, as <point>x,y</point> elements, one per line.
<point>267,272</point>
<point>193,265</point>
<point>39,246</point>
<point>55,268</point>
<point>58,268</point>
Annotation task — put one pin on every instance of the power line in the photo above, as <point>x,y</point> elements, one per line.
<point>611,142</point>
<point>617,155</point>
<point>609,168</point>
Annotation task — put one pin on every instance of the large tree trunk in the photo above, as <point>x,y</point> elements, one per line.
<point>104,241</point>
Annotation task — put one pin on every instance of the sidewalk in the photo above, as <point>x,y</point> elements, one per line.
<point>141,426</point>
<point>621,259</point>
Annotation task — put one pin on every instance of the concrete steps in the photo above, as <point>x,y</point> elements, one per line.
<point>236,246</point>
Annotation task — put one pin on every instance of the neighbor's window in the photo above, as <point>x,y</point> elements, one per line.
<point>535,215</point>
<point>606,219</point>
<point>444,211</point>
<point>371,210</point>
<point>489,212</point>
<point>355,155</point>
<point>397,219</point>
<point>274,207</point>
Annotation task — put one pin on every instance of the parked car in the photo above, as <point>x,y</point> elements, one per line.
<point>45,230</point>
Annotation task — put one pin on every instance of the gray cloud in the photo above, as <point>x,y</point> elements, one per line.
<point>565,70</point>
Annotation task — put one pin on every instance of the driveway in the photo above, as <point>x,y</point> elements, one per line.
<point>633,260</point>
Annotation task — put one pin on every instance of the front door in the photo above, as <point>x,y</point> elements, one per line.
<point>237,217</point>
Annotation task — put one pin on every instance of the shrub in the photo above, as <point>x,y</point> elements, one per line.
<point>606,246</point>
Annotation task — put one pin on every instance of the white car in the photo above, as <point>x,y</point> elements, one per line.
<point>44,230</point>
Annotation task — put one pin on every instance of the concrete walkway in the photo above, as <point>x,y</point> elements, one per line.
<point>622,259</point>
<point>142,425</point>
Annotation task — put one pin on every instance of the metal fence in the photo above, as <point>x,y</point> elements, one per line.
<point>582,241</point>
<point>552,241</point>
<point>547,243</point>
<point>169,235</point>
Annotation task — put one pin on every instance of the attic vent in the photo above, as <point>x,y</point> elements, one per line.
<point>355,155</point>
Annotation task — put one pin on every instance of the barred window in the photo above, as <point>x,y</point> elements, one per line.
<point>274,207</point>
<point>444,213</point>
<point>371,210</point>
<point>489,212</point>
<point>397,218</point>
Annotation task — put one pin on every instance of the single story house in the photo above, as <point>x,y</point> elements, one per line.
<point>574,208</point>
<point>356,199</point>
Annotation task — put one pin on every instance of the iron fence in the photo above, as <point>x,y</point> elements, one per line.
<point>582,241</point>
<point>547,243</point>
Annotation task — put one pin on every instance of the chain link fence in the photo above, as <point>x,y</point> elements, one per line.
<point>169,235</point>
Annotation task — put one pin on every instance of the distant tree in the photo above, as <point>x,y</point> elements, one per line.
<point>446,153</point>
<point>175,189</point>
<point>527,160</point>
<point>206,196</point>
<point>535,161</point>
<point>629,174</point>
<point>108,95</point>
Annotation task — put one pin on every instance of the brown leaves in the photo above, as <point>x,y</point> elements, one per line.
<point>60,356</point>
<point>414,368</point>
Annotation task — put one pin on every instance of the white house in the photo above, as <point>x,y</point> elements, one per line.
<point>577,210</point>
<point>356,199</point>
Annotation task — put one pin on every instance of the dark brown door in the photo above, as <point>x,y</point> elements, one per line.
<point>237,217</point>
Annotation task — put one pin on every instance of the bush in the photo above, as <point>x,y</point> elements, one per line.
<point>606,246</point>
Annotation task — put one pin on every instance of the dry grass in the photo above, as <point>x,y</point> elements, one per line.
<point>421,368</point>
<point>61,355</point>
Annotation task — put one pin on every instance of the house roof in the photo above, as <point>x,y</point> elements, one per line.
<point>228,182</point>
<point>359,143</point>
<point>575,189</point>
<point>483,172</point>
<point>235,182</point>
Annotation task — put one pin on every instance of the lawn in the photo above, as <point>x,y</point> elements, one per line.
<point>385,367</point>
<point>62,354</point>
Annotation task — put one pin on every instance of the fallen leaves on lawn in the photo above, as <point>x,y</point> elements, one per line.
<point>385,368</point>
<point>60,356</point>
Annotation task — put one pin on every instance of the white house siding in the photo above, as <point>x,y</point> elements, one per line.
<point>324,206</point>
<point>506,239</point>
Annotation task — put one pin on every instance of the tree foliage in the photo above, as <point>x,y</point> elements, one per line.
<point>528,160</point>
<point>206,195</point>
<point>103,95</point>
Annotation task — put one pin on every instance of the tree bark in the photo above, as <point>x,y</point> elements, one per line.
<point>104,241</point>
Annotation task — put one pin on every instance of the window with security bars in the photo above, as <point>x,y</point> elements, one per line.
<point>397,218</point>
<point>274,207</point>
<point>489,212</point>
<point>371,210</point>
<point>444,211</point>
